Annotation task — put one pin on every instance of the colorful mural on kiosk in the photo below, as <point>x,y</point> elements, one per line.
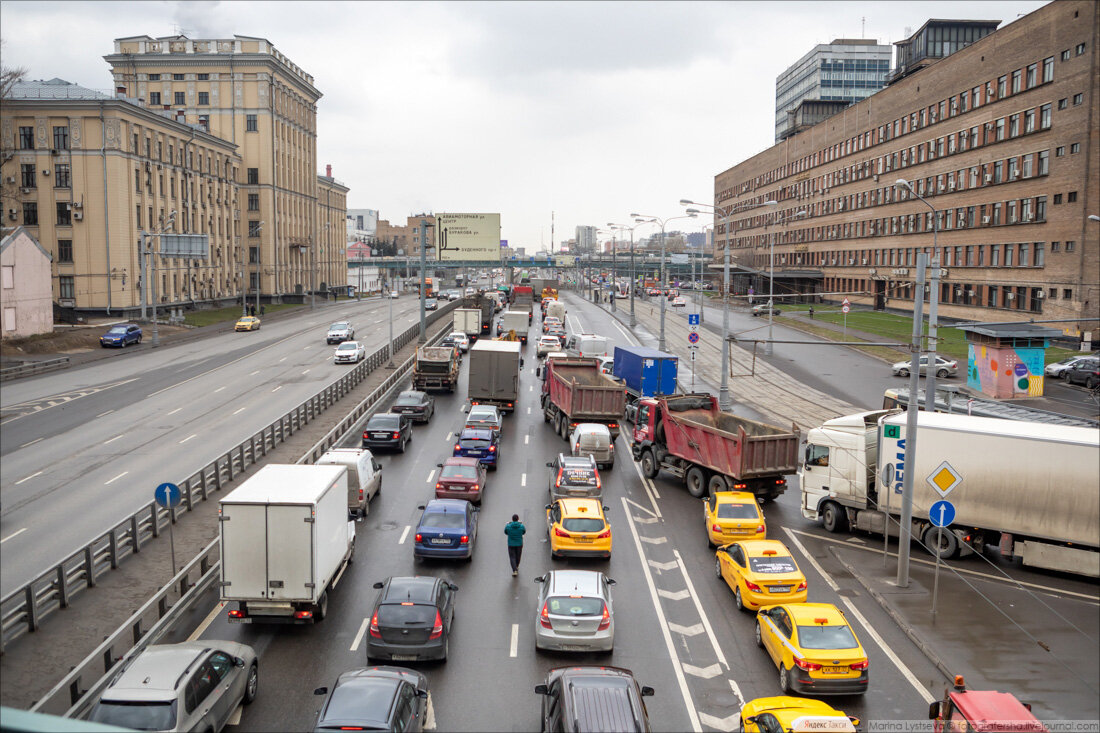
<point>1005,372</point>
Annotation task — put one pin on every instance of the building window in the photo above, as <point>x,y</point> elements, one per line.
<point>253,255</point>
<point>26,138</point>
<point>1063,102</point>
<point>1057,199</point>
<point>1070,245</point>
<point>1067,293</point>
<point>1045,115</point>
<point>154,77</point>
<point>1002,87</point>
<point>177,77</point>
<point>180,99</point>
<point>62,177</point>
<point>1032,75</point>
<point>30,213</point>
<point>1038,256</point>
<point>1071,197</point>
<point>1000,129</point>
<point>251,124</point>
<point>1074,148</point>
<point>61,138</point>
<point>66,286</point>
<point>204,99</point>
<point>1017,75</point>
<point>1080,48</point>
<point>1048,69</point>
<point>154,98</point>
<point>1065,55</point>
<point>253,202</point>
<point>1014,125</point>
<point>995,256</point>
<point>27,175</point>
<point>65,250</point>
<point>1024,260</point>
<point>1059,151</point>
<point>253,176</point>
<point>253,228</point>
<point>138,217</point>
<point>202,77</point>
<point>1055,246</point>
<point>64,214</point>
<point>1078,99</point>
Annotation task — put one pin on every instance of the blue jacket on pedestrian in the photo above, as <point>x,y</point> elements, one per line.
<point>515,532</point>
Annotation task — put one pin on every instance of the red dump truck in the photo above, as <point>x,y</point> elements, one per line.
<point>575,390</point>
<point>981,711</point>
<point>688,436</point>
<point>523,298</point>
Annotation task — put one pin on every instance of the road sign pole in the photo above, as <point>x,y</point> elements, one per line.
<point>172,537</point>
<point>936,576</point>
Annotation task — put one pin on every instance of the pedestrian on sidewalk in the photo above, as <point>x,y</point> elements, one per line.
<point>515,531</point>
<point>263,309</point>
<point>811,312</point>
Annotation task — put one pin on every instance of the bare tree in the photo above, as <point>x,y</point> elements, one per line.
<point>9,77</point>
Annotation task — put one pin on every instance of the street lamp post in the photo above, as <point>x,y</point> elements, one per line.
<point>768,347</point>
<point>933,302</point>
<point>664,275</point>
<point>633,277</point>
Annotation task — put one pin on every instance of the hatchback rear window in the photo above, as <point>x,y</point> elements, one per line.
<point>136,715</point>
<point>566,606</point>
<point>826,637</point>
<point>396,614</point>
<point>738,511</point>
<point>407,400</point>
<point>387,423</point>
<point>772,565</point>
<point>441,520</point>
<point>577,477</point>
<point>349,701</point>
<point>475,443</point>
<point>582,524</point>
<point>458,472</point>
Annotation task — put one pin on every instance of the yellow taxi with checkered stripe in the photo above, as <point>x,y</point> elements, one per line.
<point>760,573</point>
<point>814,648</point>
<point>578,528</point>
<point>785,714</point>
<point>731,516</point>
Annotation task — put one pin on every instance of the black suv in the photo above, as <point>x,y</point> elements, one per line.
<point>387,430</point>
<point>574,476</point>
<point>593,698</point>
<point>1086,372</point>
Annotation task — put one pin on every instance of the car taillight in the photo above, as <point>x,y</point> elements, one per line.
<point>396,436</point>
<point>715,528</point>
<point>438,486</point>
<point>458,446</point>
<point>613,425</point>
<point>740,486</point>
<point>492,449</point>
<point>364,435</point>
<point>761,529</point>
<point>475,487</point>
<point>464,540</point>
<point>557,480</point>
<point>801,586</point>
<point>606,534</point>
<point>236,613</point>
<point>374,626</point>
<point>781,482</point>
<point>808,666</point>
<point>509,404</point>
<point>752,586</point>
<point>437,630</point>
<point>303,614</point>
<point>859,666</point>
<point>544,617</point>
<point>559,532</point>
<point>606,620</point>
<point>418,537</point>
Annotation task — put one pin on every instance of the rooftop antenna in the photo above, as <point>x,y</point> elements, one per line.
<point>863,27</point>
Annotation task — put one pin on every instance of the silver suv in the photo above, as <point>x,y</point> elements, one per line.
<point>180,687</point>
<point>573,477</point>
<point>339,332</point>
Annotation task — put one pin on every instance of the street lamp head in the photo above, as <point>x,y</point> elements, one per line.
<point>693,212</point>
<point>1094,217</point>
<point>902,183</point>
<point>801,212</point>
<point>771,202</point>
<point>686,202</point>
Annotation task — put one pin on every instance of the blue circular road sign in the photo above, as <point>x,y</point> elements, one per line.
<point>942,513</point>
<point>167,495</point>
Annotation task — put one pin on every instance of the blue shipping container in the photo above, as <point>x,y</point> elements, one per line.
<point>647,372</point>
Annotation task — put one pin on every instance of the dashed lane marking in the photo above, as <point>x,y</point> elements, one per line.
<point>33,407</point>
<point>646,520</point>
<point>523,479</point>
<point>28,478</point>
<point>431,475</point>
<point>239,410</point>
<point>173,412</point>
<point>646,484</point>
<point>30,442</point>
<point>693,630</point>
<point>699,608</point>
<point>277,388</point>
<point>13,534</point>
<point>729,723</point>
<point>116,478</point>
<point>252,374</point>
<point>105,413</point>
<point>201,629</point>
<point>678,595</point>
<point>112,440</point>
<point>305,372</point>
<point>359,637</point>
<point>513,646</point>
<point>526,439</point>
<point>404,534</point>
<point>193,435</point>
<point>737,692</point>
<point>219,389</point>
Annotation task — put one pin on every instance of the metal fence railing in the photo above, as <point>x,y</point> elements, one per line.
<point>34,367</point>
<point>23,610</point>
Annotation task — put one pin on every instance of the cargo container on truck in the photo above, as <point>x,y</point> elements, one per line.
<point>513,321</point>
<point>285,542</point>
<point>645,372</point>
<point>436,368</point>
<point>1027,488</point>
<point>555,309</point>
<point>468,321</point>
<point>523,299</point>
<point>688,436</point>
<point>486,306</point>
<point>575,390</point>
<point>493,375</point>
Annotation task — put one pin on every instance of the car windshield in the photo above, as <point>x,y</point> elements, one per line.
<point>826,637</point>
<point>577,477</point>
<point>361,700</point>
<point>338,327</point>
<point>772,565</point>
<point>384,422</point>
<point>582,524</point>
<point>347,346</point>
<point>459,472</point>
<point>144,715</point>
<point>443,520</point>
<point>397,614</point>
<point>567,606</point>
<point>118,330</point>
<point>409,399</point>
<point>738,511</point>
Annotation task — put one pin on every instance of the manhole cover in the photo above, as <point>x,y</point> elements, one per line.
<point>388,525</point>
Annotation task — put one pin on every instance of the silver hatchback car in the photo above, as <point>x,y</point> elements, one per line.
<point>574,612</point>
<point>180,687</point>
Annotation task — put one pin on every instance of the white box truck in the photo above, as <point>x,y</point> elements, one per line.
<point>285,541</point>
<point>468,321</point>
<point>513,321</point>
<point>1026,488</point>
<point>493,376</point>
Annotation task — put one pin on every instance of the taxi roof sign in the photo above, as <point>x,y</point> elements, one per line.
<point>944,479</point>
<point>822,723</point>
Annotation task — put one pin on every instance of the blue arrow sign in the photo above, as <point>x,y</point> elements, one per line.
<point>942,513</point>
<point>167,495</point>
<point>693,337</point>
<point>693,319</point>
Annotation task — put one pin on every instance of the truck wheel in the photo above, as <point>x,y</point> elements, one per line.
<point>716,483</point>
<point>833,518</point>
<point>650,467</point>
<point>322,608</point>
<point>948,544</point>
<point>696,481</point>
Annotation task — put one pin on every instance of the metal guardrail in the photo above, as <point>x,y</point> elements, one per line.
<point>23,610</point>
<point>34,367</point>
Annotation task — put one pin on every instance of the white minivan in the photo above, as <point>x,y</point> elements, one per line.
<point>589,344</point>
<point>364,476</point>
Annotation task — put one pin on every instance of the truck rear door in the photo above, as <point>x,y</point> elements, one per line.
<point>290,552</point>
<point>244,550</point>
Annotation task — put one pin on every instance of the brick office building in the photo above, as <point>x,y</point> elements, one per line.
<point>1000,138</point>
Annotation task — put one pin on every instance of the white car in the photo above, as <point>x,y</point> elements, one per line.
<point>349,352</point>
<point>462,340</point>
<point>679,302</point>
<point>339,332</point>
<point>593,439</point>
<point>1059,368</point>
<point>546,344</point>
<point>394,294</point>
<point>607,364</point>
<point>944,368</point>
<point>471,291</point>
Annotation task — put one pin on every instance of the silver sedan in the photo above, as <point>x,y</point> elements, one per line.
<point>944,368</point>
<point>574,612</point>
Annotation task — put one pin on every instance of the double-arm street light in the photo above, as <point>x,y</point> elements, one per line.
<point>633,277</point>
<point>664,276</point>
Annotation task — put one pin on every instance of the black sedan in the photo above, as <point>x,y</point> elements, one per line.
<point>418,406</point>
<point>411,619</point>
<point>1086,372</point>
<point>379,698</point>
<point>387,430</point>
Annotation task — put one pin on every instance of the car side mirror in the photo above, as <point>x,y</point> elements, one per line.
<point>540,579</point>
<point>751,720</point>
<point>609,581</point>
<point>378,585</point>
<point>452,586</point>
<point>647,691</point>
<point>420,507</point>
<point>548,507</point>
<point>542,690</point>
<point>934,710</point>
<point>549,464</point>
<point>238,662</point>
<point>439,465</point>
<point>607,508</point>
<point>321,691</point>
<point>422,694</point>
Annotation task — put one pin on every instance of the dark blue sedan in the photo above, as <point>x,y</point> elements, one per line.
<point>447,528</point>
<point>121,335</point>
<point>480,443</point>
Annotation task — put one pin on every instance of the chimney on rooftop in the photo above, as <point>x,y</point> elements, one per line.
<point>328,170</point>
<point>180,117</point>
<point>120,92</point>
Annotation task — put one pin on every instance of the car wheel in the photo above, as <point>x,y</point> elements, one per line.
<point>717,568</point>
<point>833,518</point>
<point>1091,383</point>
<point>737,600</point>
<point>942,374</point>
<point>696,481</point>
<point>759,639</point>
<point>139,340</point>
<point>784,680</point>
<point>650,467</point>
<point>402,448</point>
<point>903,372</point>
<point>252,685</point>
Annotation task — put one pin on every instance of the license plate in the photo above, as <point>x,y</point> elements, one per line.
<point>835,670</point>
<point>379,435</point>
<point>573,648</point>
<point>779,589</point>
<point>245,620</point>
<point>440,541</point>
<point>582,539</point>
<point>404,657</point>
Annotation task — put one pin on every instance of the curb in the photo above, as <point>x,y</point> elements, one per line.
<point>925,647</point>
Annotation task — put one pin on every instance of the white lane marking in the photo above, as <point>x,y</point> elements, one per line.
<point>729,723</point>
<point>526,439</point>
<point>112,440</point>
<point>905,671</point>
<point>28,478</point>
<point>531,388</point>
<point>652,487</point>
<point>239,410</point>
<point>201,628</point>
<point>737,692</point>
<point>30,443</point>
<point>116,478</point>
<point>702,614</point>
<point>651,520</point>
<point>306,348</point>
<point>662,566</point>
<point>429,717</point>
<point>192,435</point>
<point>528,410</point>
<point>359,637</point>
<point>283,359</point>
<point>277,388</point>
<point>252,374</point>
<point>305,372</point>
<point>673,656</point>
<point>219,389</point>
<point>431,475</point>
<point>173,412</point>
<point>628,335</point>
<point>645,484</point>
<point>105,413</point>
<point>13,534</point>
<point>210,371</point>
<point>513,646</point>
<point>655,540</point>
<point>693,630</point>
<point>673,595</point>
<point>448,438</point>
<point>523,479</point>
<point>404,534</point>
<point>704,672</point>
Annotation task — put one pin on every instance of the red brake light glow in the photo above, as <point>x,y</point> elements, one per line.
<point>801,586</point>
<point>544,617</point>
<point>437,630</point>
<point>465,540</point>
<point>859,665</point>
<point>396,436</point>
<point>559,532</point>
<point>808,666</point>
<point>438,485</point>
<point>303,614</point>
<point>458,447</point>
<point>752,586</point>
<point>236,613</point>
<point>492,449</point>
<point>760,529</point>
<point>419,537</point>
<point>606,620</point>
<point>606,534</point>
<point>374,626</point>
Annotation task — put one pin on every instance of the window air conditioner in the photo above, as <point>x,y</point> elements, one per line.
<point>1010,296</point>
<point>970,293</point>
<point>1041,294</point>
<point>78,205</point>
<point>26,190</point>
<point>951,185</point>
<point>78,215</point>
<point>1012,176</point>
<point>10,179</point>
<point>985,220</point>
<point>46,173</point>
<point>13,214</point>
<point>958,291</point>
<point>864,262</point>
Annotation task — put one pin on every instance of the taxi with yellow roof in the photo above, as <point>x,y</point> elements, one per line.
<point>814,648</point>
<point>784,714</point>
<point>731,516</point>
<point>578,528</point>
<point>760,573</point>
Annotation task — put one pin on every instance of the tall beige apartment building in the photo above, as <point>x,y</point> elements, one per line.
<point>999,138</point>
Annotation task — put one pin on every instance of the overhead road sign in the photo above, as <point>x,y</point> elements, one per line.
<point>473,237</point>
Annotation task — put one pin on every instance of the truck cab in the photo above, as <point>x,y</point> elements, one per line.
<point>981,711</point>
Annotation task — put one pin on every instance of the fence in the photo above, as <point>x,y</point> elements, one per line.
<point>23,610</point>
<point>34,367</point>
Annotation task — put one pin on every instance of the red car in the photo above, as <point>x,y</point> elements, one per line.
<point>461,478</point>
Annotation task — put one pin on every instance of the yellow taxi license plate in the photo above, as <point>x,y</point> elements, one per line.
<point>835,670</point>
<point>582,539</point>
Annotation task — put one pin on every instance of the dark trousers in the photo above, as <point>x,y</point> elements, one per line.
<point>514,555</point>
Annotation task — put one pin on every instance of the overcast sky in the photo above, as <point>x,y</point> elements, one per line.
<point>590,110</point>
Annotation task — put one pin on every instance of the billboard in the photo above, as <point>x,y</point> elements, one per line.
<point>190,246</point>
<point>565,260</point>
<point>467,237</point>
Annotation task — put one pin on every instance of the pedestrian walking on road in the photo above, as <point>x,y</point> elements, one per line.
<point>515,531</point>
<point>263,309</point>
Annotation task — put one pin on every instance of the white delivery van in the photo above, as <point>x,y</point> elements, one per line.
<point>364,476</point>
<point>589,344</point>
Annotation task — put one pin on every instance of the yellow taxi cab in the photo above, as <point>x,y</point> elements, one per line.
<point>760,573</point>
<point>579,528</point>
<point>785,714</point>
<point>248,323</point>
<point>814,647</point>
<point>733,515</point>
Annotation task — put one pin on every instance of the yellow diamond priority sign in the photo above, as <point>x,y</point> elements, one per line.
<point>944,479</point>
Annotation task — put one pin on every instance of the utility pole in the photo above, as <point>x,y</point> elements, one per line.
<point>906,530</point>
<point>423,283</point>
<point>933,302</point>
